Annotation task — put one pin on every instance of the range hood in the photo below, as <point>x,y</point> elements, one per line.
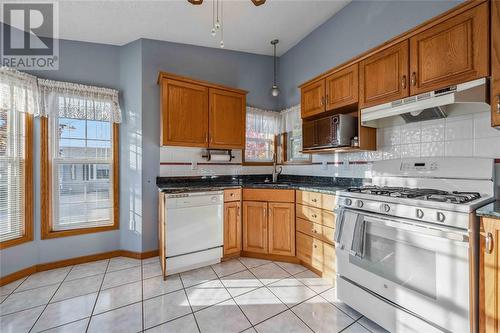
<point>469,97</point>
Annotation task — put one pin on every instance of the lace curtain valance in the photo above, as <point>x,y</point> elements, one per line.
<point>18,91</point>
<point>71,100</point>
<point>262,121</point>
<point>290,119</point>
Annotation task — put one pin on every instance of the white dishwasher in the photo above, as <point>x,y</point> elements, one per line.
<point>193,230</point>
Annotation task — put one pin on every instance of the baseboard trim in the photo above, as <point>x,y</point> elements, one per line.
<point>276,257</point>
<point>74,261</point>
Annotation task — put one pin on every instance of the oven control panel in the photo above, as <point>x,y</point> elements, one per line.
<point>419,166</point>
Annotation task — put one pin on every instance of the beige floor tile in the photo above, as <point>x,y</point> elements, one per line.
<point>124,276</point>
<point>44,278</point>
<point>156,286</point>
<point>241,283</point>
<point>116,297</point>
<point>20,322</point>
<point>66,311</point>
<point>284,322</point>
<point>355,328</point>
<point>206,294</point>
<point>259,305</point>
<point>73,288</point>
<point>27,299</point>
<point>291,291</point>
<point>291,268</point>
<point>151,270</point>
<point>185,324</point>
<point>197,276</point>
<point>9,288</point>
<point>253,262</point>
<point>331,296</point>
<point>79,326</point>
<point>123,320</point>
<point>120,263</point>
<point>322,316</point>
<point>164,308</point>
<point>250,330</point>
<point>225,317</point>
<point>228,267</point>
<point>151,260</point>
<point>87,269</point>
<point>269,273</point>
<point>315,282</point>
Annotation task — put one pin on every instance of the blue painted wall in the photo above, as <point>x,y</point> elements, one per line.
<point>358,27</point>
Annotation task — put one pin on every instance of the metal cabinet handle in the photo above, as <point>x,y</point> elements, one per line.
<point>498,103</point>
<point>413,80</point>
<point>403,82</point>
<point>326,99</point>
<point>489,243</point>
<point>314,215</point>
<point>206,137</point>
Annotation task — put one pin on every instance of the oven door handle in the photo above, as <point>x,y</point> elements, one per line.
<point>430,231</point>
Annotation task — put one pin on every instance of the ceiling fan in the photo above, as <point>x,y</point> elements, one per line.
<point>255,2</point>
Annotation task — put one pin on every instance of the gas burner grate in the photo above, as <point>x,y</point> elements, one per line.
<point>418,193</point>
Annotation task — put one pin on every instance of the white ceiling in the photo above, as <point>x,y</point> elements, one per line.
<point>246,28</point>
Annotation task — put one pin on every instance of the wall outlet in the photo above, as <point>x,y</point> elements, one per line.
<point>194,165</point>
<point>324,165</point>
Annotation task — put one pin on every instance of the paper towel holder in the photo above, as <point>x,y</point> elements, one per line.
<point>210,152</point>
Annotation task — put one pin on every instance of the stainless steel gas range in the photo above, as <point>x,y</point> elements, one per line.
<point>407,246</point>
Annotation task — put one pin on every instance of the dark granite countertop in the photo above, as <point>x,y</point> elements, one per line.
<point>490,210</point>
<point>328,185</point>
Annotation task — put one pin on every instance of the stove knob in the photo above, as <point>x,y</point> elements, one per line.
<point>348,202</point>
<point>385,208</point>
<point>359,203</point>
<point>440,217</point>
<point>419,213</point>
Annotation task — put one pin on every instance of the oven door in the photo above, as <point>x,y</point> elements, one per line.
<point>422,268</point>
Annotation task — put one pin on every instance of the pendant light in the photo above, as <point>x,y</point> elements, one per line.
<point>274,90</point>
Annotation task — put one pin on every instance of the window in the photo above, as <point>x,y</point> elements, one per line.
<point>261,129</point>
<point>17,104</point>
<point>80,163</point>
<point>292,137</point>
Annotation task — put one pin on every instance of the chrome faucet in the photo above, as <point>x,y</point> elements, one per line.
<point>276,173</point>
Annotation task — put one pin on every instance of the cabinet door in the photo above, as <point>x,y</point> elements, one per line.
<point>451,52</point>
<point>342,88</point>
<point>312,99</point>
<point>490,276</point>
<point>282,229</point>
<point>184,112</point>
<point>227,119</point>
<point>255,226</point>
<point>309,139</point>
<point>232,228</point>
<point>384,76</point>
<point>310,251</point>
<point>495,63</point>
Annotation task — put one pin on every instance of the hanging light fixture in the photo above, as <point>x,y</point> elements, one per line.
<point>274,90</point>
<point>218,25</point>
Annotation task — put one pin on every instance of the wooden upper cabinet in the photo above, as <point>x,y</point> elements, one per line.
<point>383,76</point>
<point>342,88</point>
<point>495,63</point>
<point>184,111</point>
<point>255,226</point>
<point>451,52</point>
<point>232,228</point>
<point>282,229</point>
<point>489,318</point>
<point>312,99</point>
<point>227,119</point>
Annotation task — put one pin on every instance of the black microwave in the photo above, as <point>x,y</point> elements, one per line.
<point>329,132</point>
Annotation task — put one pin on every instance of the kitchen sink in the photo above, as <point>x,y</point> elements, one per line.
<point>270,184</point>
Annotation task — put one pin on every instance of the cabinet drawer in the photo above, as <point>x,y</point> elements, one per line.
<point>315,230</point>
<point>316,215</point>
<point>314,199</point>
<point>329,260</point>
<point>232,195</point>
<point>309,250</point>
<point>268,195</point>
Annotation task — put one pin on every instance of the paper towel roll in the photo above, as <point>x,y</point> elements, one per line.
<point>220,158</point>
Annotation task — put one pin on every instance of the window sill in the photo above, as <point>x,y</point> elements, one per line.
<point>77,232</point>
<point>15,241</point>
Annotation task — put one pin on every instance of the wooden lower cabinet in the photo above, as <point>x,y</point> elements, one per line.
<point>232,228</point>
<point>495,63</point>
<point>489,319</point>
<point>255,226</point>
<point>281,228</point>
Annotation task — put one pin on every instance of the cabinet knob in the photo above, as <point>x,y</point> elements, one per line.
<point>413,79</point>
<point>314,215</point>
<point>315,246</point>
<point>403,82</point>
<point>489,243</point>
<point>314,200</point>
